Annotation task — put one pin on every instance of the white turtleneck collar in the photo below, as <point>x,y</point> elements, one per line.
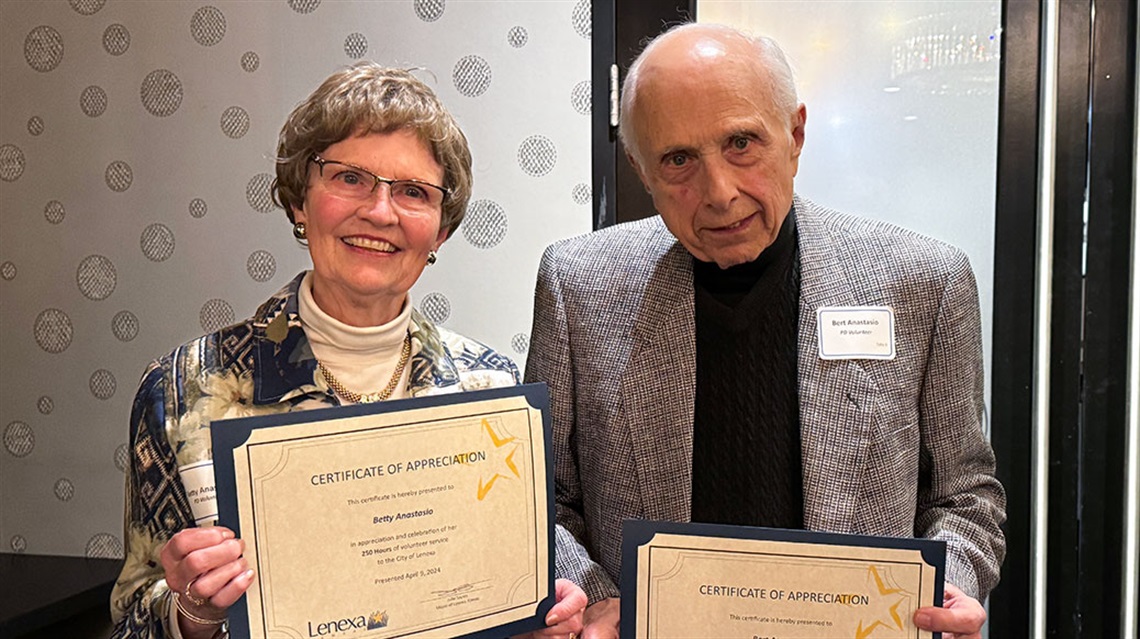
<point>361,358</point>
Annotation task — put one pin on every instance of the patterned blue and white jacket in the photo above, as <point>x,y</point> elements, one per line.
<point>261,366</point>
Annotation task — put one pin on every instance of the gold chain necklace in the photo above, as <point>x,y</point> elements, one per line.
<point>368,398</point>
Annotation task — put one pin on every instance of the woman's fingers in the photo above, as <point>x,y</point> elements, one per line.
<point>233,589</point>
<point>193,553</point>
<point>210,584</point>
<point>189,540</point>
<point>200,562</point>
<point>206,568</point>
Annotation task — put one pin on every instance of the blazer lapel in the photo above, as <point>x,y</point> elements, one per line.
<point>837,397</point>
<point>658,389</point>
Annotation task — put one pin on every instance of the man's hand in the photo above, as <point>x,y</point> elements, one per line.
<point>565,617</point>
<point>960,617</point>
<point>602,619</point>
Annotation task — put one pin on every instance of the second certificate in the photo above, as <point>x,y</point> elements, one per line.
<point>418,523</point>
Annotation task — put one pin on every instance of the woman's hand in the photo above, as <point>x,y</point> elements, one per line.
<point>206,571</point>
<point>565,618</point>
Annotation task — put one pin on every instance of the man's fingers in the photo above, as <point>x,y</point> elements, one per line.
<point>602,619</point>
<point>960,614</point>
<point>596,631</point>
<point>572,624</point>
<point>571,600</point>
<point>562,630</point>
<point>959,621</point>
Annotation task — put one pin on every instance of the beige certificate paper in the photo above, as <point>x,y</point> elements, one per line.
<point>431,521</point>
<point>693,584</point>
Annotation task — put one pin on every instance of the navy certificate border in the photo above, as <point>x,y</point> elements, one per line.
<point>228,434</point>
<point>639,532</point>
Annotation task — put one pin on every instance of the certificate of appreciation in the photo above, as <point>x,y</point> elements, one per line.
<point>704,581</point>
<point>427,517</point>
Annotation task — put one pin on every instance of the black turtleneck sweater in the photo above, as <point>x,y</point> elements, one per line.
<point>746,428</point>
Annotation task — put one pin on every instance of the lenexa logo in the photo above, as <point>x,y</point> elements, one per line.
<point>378,620</point>
<point>374,621</point>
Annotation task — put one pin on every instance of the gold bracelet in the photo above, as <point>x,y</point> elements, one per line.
<point>192,617</point>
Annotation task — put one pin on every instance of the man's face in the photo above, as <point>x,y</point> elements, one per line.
<point>717,154</point>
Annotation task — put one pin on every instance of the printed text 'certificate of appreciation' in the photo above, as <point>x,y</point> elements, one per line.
<point>424,517</point>
<point>704,581</point>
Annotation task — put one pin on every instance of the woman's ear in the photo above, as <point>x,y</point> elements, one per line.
<point>441,237</point>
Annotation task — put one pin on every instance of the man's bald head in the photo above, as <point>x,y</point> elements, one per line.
<point>713,128</point>
<point>700,48</point>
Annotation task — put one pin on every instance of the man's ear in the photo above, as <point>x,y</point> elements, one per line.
<point>799,121</point>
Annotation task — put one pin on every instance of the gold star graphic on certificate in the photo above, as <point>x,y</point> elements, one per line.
<point>891,619</point>
<point>507,445</point>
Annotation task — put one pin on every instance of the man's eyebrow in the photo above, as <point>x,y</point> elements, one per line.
<point>747,132</point>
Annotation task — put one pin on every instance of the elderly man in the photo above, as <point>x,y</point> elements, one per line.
<point>683,353</point>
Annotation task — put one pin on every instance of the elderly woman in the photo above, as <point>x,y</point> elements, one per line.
<point>341,333</point>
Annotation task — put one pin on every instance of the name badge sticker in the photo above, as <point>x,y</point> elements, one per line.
<point>198,479</point>
<point>856,332</point>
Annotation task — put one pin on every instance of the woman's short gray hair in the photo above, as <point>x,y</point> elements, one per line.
<point>771,57</point>
<point>370,98</point>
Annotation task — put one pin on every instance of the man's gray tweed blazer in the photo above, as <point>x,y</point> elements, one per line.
<point>889,447</point>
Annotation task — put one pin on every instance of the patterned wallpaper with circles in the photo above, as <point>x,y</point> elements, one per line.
<point>136,145</point>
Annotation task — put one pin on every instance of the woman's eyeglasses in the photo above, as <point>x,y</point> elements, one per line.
<point>349,181</point>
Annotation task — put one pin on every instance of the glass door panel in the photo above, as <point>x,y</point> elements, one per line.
<point>902,112</point>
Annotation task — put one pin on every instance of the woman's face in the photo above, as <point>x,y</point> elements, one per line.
<point>367,252</point>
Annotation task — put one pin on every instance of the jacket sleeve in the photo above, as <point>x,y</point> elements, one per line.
<point>155,509</point>
<point>960,500</point>
<point>551,360</point>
